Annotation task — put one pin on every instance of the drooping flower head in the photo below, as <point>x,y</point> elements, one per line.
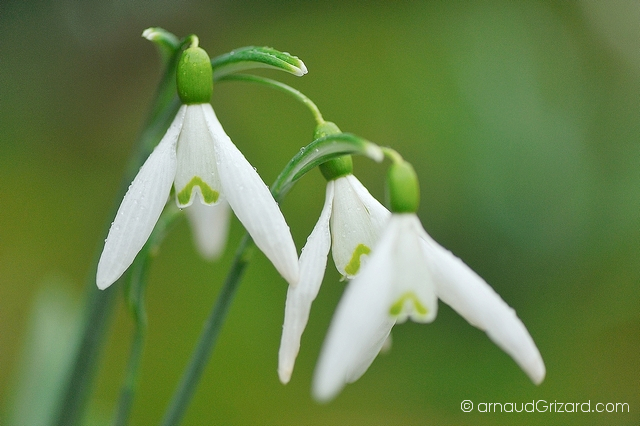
<point>406,274</point>
<point>350,224</point>
<point>206,169</point>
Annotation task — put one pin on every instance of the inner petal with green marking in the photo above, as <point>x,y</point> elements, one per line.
<point>398,307</point>
<point>209,195</point>
<point>353,266</point>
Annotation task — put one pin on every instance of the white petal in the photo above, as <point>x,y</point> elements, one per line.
<point>466,292</point>
<point>356,224</point>
<point>196,172</point>
<point>209,226</point>
<point>252,202</point>
<point>379,215</point>
<point>141,207</point>
<point>360,325</point>
<point>313,262</point>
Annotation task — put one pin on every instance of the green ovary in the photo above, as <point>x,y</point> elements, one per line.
<point>353,266</point>
<point>209,195</point>
<point>396,308</point>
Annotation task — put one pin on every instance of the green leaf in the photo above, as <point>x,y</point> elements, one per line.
<point>167,42</point>
<point>251,57</point>
<point>320,151</point>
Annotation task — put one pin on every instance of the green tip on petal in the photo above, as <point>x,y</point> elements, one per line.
<point>397,308</point>
<point>403,189</point>
<point>209,195</point>
<point>337,167</point>
<point>353,266</point>
<point>194,76</point>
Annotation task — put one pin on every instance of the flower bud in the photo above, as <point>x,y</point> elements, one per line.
<point>194,76</point>
<point>403,190</point>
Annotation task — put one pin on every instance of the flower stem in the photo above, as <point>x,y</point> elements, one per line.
<point>79,378</point>
<point>209,335</point>
<point>280,86</point>
<point>193,40</point>
<point>100,302</point>
<point>392,155</point>
<point>135,357</point>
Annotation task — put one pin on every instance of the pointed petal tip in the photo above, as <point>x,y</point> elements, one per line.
<point>102,283</point>
<point>284,374</point>
<point>322,394</point>
<point>104,279</point>
<point>284,258</point>
<point>537,372</point>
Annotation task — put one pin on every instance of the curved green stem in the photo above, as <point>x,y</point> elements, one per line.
<point>127,392</point>
<point>209,335</point>
<point>280,86</point>
<point>392,155</point>
<point>193,40</point>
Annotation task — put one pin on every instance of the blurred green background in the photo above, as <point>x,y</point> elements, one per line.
<point>521,119</point>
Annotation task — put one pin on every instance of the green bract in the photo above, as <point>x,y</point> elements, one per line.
<point>320,151</point>
<point>194,77</point>
<point>167,42</point>
<point>403,189</point>
<point>252,57</point>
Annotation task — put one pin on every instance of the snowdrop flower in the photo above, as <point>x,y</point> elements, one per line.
<point>206,169</point>
<point>350,224</point>
<point>406,274</point>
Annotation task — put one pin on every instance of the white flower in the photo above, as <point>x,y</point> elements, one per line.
<point>197,157</point>
<point>406,273</point>
<point>350,223</point>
